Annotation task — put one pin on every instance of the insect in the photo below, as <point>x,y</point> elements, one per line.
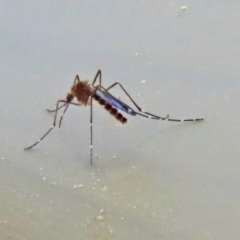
<point>85,92</point>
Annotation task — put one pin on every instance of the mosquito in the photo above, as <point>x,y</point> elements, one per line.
<point>85,92</point>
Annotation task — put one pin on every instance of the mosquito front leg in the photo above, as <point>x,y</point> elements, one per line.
<point>76,79</point>
<point>50,129</point>
<point>54,110</point>
<point>61,118</point>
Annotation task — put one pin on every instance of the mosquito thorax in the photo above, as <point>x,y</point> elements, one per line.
<point>82,90</point>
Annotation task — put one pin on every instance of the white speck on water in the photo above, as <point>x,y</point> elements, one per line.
<point>122,218</point>
<point>110,230</point>
<point>136,54</point>
<point>78,186</point>
<point>114,156</point>
<point>99,218</point>
<point>2,158</point>
<point>143,81</point>
<point>184,8</point>
<point>4,222</point>
<point>104,188</point>
<point>101,211</point>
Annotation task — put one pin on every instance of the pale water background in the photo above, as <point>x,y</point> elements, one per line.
<point>150,179</point>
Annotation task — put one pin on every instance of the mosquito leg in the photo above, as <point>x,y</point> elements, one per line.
<point>186,120</point>
<point>76,79</point>
<point>91,125</point>
<point>50,129</point>
<point>99,73</point>
<point>60,121</point>
<point>67,104</point>
<point>150,115</point>
<point>91,130</point>
<point>54,110</point>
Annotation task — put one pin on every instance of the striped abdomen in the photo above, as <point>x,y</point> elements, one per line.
<point>112,110</point>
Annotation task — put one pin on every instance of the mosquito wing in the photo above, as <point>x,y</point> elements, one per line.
<point>115,102</point>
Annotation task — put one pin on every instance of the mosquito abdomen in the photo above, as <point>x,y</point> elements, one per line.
<point>112,110</point>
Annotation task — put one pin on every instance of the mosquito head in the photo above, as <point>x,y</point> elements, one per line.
<point>69,97</point>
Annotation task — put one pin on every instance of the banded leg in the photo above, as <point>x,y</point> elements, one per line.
<point>91,124</point>
<point>91,130</point>
<point>186,120</point>
<point>50,129</point>
<point>150,115</point>
<point>98,74</point>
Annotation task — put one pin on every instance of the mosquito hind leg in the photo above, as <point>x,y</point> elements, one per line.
<point>186,120</point>
<point>150,115</point>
